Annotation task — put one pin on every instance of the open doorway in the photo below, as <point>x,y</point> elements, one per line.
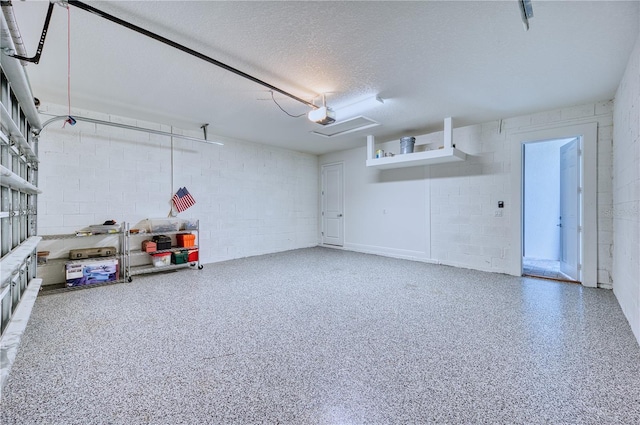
<point>551,209</point>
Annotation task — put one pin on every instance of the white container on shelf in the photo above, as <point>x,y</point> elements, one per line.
<point>160,260</point>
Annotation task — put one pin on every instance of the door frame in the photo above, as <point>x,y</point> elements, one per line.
<point>588,134</point>
<point>322,200</point>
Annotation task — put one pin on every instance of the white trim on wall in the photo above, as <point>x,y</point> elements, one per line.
<point>589,241</point>
<point>404,254</point>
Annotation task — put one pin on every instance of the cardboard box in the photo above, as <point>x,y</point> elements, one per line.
<point>91,272</point>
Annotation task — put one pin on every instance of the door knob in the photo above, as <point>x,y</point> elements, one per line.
<point>339,215</point>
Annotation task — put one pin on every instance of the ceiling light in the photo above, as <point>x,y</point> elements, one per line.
<point>358,107</point>
<point>322,115</point>
<point>345,127</point>
<point>325,115</point>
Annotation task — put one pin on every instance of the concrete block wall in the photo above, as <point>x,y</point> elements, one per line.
<point>626,192</point>
<point>461,228</point>
<point>251,199</point>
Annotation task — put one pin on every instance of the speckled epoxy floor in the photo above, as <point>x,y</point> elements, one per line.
<point>322,336</point>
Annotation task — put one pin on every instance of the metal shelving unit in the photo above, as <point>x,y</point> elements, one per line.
<point>63,261</point>
<point>125,255</point>
<point>134,270</point>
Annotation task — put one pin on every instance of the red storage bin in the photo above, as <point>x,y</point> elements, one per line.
<point>193,255</point>
<point>186,240</point>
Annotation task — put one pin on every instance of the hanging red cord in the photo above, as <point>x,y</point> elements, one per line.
<point>69,119</point>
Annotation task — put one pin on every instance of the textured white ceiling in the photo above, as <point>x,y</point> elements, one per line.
<point>428,60</point>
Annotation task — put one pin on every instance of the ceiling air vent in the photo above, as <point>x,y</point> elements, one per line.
<point>345,127</point>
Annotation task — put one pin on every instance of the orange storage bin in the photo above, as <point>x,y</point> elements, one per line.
<point>186,239</point>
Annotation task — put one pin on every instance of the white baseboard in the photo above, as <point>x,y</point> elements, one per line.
<point>390,252</point>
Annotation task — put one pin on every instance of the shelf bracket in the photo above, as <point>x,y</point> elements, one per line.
<point>448,133</point>
<point>370,146</point>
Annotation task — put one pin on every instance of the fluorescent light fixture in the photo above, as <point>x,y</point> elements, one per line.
<point>322,115</point>
<point>345,127</point>
<point>358,107</point>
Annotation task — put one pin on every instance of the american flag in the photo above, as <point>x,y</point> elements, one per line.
<point>183,199</point>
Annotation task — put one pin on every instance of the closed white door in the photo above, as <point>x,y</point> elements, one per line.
<point>570,209</point>
<point>332,205</point>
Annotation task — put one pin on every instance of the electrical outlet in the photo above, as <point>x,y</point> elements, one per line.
<point>498,213</point>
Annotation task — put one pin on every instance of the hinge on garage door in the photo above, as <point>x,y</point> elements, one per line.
<point>322,212</point>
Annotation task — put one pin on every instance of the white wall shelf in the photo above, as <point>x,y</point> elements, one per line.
<point>447,153</point>
<point>439,156</point>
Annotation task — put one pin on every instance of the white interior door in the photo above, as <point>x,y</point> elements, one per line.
<point>332,205</point>
<point>570,209</point>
